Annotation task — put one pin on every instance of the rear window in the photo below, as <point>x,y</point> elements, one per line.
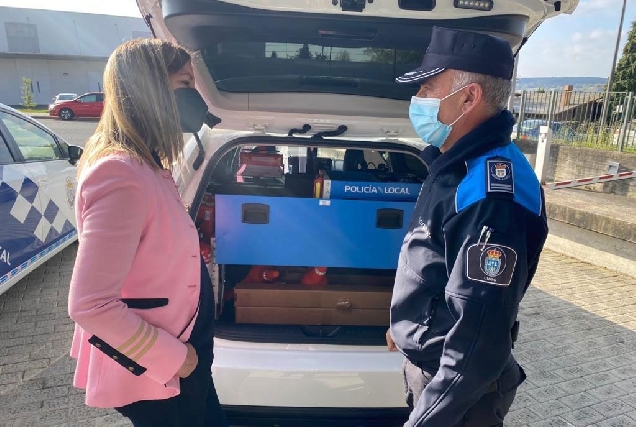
<point>270,66</point>
<point>290,171</point>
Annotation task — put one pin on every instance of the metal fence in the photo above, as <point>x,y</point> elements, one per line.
<point>578,118</point>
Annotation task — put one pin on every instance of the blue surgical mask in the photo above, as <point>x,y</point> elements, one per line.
<point>423,114</point>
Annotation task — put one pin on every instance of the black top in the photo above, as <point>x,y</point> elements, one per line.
<point>202,336</point>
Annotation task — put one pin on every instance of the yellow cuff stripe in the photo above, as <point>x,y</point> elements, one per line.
<point>140,343</point>
<point>134,338</point>
<point>148,346</point>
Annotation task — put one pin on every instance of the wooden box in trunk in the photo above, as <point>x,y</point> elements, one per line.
<point>274,304</point>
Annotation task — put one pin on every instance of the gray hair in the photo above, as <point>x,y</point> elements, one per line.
<point>496,91</point>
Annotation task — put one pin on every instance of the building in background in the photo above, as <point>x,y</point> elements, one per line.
<point>60,52</point>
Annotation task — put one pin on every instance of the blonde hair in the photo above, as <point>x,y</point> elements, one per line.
<point>140,114</point>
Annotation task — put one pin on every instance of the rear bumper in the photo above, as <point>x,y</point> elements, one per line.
<point>296,378</point>
<point>316,417</point>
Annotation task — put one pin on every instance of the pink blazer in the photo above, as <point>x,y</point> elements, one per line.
<point>136,243</point>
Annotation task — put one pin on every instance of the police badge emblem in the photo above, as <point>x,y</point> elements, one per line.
<point>501,170</point>
<point>500,179</point>
<point>70,192</point>
<point>493,262</point>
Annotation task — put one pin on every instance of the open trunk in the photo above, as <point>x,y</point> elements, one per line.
<point>304,241</point>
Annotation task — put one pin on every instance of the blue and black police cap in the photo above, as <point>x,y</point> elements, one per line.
<point>464,51</point>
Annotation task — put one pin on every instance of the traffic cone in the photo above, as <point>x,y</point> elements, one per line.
<point>315,276</point>
<point>206,252</point>
<point>261,274</point>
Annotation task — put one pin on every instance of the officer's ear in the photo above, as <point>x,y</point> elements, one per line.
<point>472,96</point>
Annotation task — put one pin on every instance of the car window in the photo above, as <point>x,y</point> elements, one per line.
<point>89,98</point>
<point>33,142</point>
<point>268,66</point>
<point>100,97</point>
<point>5,154</point>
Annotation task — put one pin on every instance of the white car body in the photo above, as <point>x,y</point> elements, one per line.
<point>37,192</point>
<point>262,379</point>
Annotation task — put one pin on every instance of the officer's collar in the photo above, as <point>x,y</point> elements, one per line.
<point>494,132</point>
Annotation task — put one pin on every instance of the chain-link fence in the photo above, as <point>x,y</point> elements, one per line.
<point>578,118</point>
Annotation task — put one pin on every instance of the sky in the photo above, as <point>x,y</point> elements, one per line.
<point>577,45</point>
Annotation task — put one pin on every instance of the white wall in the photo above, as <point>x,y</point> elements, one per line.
<point>9,87</point>
<point>54,76</point>
<point>69,33</point>
<point>73,49</point>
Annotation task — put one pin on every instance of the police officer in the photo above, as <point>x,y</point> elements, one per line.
<point>474,242</point>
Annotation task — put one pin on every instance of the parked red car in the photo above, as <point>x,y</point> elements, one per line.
<point>88,105</point>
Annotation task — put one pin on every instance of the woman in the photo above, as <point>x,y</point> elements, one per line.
<point>140,297</point>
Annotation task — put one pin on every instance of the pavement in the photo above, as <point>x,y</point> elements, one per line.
<point>577,344</point>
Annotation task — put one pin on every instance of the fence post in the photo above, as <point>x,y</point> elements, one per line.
<point>543,153</point>
<point>627,113</point>
<point>551,107</point>
<point>522,108</point>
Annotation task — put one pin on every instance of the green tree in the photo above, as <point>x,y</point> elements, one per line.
<point>343,56</point>
<point>304,52</point>
<point>28,100</point>
<point>625,74</point>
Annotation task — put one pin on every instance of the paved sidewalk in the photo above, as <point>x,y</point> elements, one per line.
<point>577,345</point>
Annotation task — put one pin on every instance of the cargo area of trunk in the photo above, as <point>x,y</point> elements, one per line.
<point>304,241</point>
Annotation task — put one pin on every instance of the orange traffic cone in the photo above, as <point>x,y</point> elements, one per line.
<point>261,274</point>
<point>315,276</point>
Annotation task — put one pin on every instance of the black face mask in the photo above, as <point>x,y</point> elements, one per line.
<point>192,109</point>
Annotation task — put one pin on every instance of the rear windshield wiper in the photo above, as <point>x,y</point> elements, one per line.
<point>341,129</point>
<point>306,128</point>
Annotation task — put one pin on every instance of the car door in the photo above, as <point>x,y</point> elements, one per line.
<point>86,105</point>
<point>47,162</point>
<point>19,215</point>
<point>99,105</point>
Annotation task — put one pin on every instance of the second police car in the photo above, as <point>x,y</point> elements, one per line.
<point>37,194</point>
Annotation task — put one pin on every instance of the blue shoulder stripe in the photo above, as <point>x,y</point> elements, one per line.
<point>524,184</point>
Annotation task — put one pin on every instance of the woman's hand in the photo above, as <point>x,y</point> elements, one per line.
<point>191,362</point>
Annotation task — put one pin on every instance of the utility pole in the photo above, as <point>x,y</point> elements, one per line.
<point>610,81</point>
<point>513,84</point>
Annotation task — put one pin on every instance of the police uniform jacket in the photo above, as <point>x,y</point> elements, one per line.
<point>135,285</point>
<point>472,249</point>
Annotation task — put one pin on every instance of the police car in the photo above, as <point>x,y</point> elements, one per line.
<point>302,193</point>
<point>37,193</point>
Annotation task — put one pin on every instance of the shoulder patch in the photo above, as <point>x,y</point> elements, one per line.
<point>499,176</point>
<point>502,171</point>
<point>491,264</point>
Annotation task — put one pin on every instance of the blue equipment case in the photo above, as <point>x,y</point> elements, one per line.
<point>308,232</point>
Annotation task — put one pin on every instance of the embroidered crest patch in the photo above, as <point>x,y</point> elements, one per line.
<point>500,179</point>
<point>492,264</point>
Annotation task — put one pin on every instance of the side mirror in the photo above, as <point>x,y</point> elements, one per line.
<point>75,153</point>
